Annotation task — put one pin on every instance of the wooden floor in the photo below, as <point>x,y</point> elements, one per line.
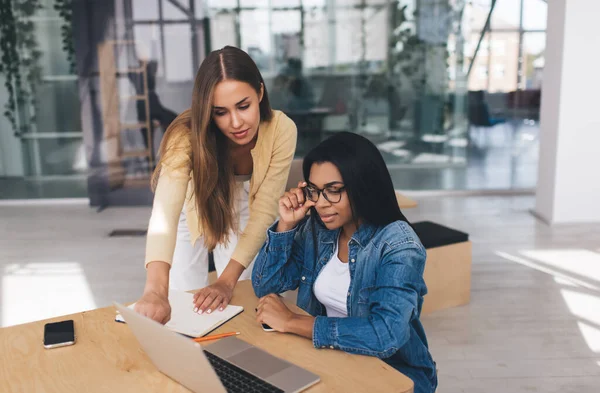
<point>533,324</point>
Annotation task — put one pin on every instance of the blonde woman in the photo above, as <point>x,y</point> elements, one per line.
<point>224,164</point>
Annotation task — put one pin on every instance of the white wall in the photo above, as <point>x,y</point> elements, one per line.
<point>568,188</point>
<point>11,154</point>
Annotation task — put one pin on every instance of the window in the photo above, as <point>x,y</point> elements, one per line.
<point>507,14</point>
<point>482,72</point>
<point>144,10</point>
<point>535,13</point>
<point>534,46</point>
<point>499,47</point>
<point>499,70</point>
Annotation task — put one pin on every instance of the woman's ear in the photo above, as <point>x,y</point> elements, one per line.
<point>262,92</point>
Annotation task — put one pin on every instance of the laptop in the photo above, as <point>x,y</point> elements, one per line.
<point>228,365</point>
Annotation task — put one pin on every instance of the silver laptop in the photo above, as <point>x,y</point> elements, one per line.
<point>228,365</point>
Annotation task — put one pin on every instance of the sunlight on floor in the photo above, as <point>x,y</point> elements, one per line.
<point>577,271</point>
<point>565,282</point>
<point>591,335</point>
<point>584,263</point>
<point>35,291</point>
<point>548,270</point>
<point>577,264</point>
<point>583,305</point>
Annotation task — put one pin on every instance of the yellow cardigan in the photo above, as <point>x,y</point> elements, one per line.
<point>272,157</point>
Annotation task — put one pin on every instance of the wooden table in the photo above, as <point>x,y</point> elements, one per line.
<point>107,357</point>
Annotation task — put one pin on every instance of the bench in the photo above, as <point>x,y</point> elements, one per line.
<point>448,266</point>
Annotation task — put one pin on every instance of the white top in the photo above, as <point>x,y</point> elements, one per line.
<point>331,286</point>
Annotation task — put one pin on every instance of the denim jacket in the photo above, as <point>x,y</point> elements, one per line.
<point>384,299</point>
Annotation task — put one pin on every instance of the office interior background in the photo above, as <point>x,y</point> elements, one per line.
<point>449,90</point>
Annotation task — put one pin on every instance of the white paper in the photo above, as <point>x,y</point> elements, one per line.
<point>185,321</point>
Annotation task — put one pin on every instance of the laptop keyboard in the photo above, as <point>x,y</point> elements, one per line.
<point>237,380</point>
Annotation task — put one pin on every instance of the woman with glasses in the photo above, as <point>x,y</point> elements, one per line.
<point>343,242</point>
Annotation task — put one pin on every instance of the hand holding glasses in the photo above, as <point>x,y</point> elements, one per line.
<point>295,204</point>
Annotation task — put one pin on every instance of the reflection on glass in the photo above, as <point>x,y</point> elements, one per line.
<point>478,79</point>
<point>223,30</point>
<point>291,91</point>
<point>348,40</point>
<point>200,9</point>
<point>353,3</point>
<point>314,3</point>
<point>46,148</point>
<point>58,107</point>
<point>48,36</point>
<point>316,39</point>
<point>144,9</point>
<point>331,65</point>
<point>503,62</point>
<point>376,35</point>
<point>475,15</point>
<point>255,36</point>
<point>148,107</point>
<point>62,156</point>
<point>535,14</point>
<point>222,4</point>
<point>178,54</point>
<point>534,45</point>
<point>507,14</point>
<point>148,44</point>
<point>171,12</point>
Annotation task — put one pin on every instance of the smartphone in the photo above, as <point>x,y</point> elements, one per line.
<point>59,334</point>
<point>266,327</point>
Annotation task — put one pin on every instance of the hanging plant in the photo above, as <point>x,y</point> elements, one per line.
<point>30,54</point>
<point>20,61</point>
<point>9,61</point>
<point>65,10</point>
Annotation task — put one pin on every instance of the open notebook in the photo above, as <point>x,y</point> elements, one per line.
<point>185,321</point>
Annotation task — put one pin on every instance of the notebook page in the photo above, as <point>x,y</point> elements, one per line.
<point>185,321</point>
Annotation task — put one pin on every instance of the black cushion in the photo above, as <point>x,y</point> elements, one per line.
<point>436,235</point>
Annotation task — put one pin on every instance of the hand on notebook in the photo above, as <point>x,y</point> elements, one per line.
<point>272,311</point>
<point>218,295</point>
<point>213,297</point>
<point>154,306</point>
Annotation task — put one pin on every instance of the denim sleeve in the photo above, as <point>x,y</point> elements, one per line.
<point>279,262</point>
<point>392,304</point>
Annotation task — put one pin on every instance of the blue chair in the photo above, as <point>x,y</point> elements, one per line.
<point>479,114</point>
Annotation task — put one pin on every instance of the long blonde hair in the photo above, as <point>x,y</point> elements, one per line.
<point>212,167</point>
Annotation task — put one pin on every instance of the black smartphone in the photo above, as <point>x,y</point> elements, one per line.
<point>59,334</point>
<point>266,327</point>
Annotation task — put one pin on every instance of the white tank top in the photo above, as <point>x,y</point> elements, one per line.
<point>331,286</point>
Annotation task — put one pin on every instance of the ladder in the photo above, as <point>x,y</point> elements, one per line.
<point>111,115</point>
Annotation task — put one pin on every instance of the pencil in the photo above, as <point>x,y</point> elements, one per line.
<point>215,336</point>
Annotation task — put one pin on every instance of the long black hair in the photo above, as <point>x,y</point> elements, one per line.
<point>367,180</point>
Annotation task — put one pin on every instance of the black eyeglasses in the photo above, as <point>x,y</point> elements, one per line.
<point>331,194</point>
